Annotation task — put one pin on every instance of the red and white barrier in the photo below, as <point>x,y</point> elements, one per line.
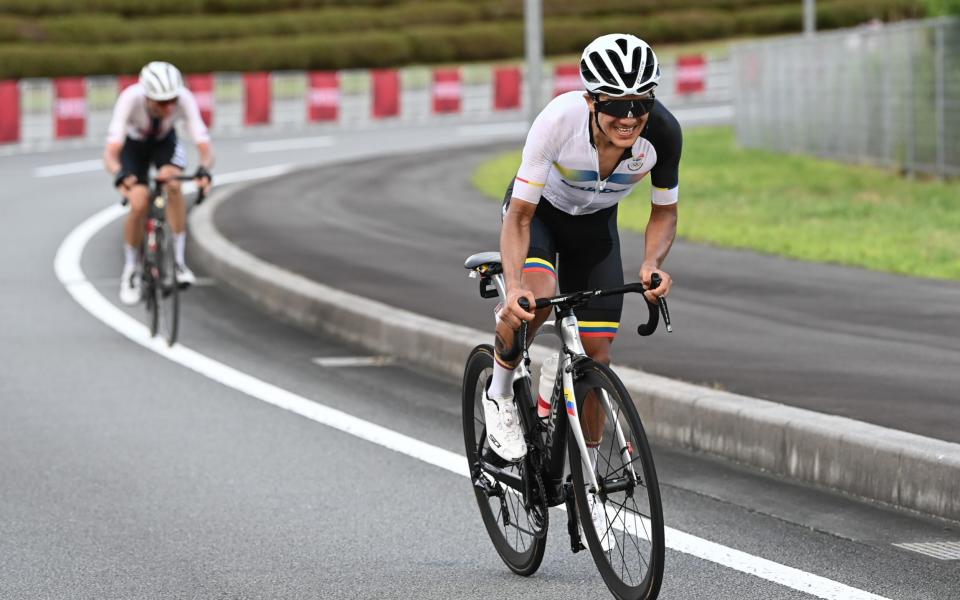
<point>70,107</point>
<point>566,78</point>
<point>386,93</point>
<point>506,88</point>
<point>125,81</point>
<point>257,98</point>
<point>201,84</point>
<point>9,111</point>
<point>447,90</point>
<point>323,96</point>
<point>691,74</point>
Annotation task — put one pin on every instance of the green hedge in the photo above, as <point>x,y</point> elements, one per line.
<point>422,44</point>
<point>104,28</point>
<point>169,7</point>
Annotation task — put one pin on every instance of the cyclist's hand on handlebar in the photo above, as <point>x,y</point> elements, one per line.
<point>123,180</point>
<point>204,179</point>
<point>661,291</point>
<point>511,313</point>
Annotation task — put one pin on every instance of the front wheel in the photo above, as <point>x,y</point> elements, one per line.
<point>517,534</point>
<point>623,519</point>
<point>168,288</point>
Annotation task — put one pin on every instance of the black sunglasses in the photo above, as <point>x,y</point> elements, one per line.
<point>626,108</point>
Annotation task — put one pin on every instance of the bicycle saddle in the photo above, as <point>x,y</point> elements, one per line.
<point>490,260</point>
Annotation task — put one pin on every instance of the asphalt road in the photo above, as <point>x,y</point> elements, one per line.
<point>874,347</point>
<point>127,475</point>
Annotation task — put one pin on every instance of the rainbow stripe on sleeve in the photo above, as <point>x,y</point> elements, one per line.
<point>606,329</point>
<point>539,265</point>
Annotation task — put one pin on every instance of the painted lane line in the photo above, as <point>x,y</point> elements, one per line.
<point>352,361</point>
<point>518,128</point>
<point>83,166</point>
<point>69,272</point>
<point>938,550</point>
<point>289,144</point>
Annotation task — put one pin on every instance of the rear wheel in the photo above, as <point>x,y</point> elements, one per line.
<point>623,523</point>
<point>168,289</point>
<point>518,535</point>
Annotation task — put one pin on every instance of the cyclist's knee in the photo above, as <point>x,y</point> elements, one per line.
<point>599,349</point>
<point>169,172</point>
<point>138,197</point>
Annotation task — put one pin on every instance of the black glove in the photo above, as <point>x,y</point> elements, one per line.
<point>203,172</point>
<point>120,176</point>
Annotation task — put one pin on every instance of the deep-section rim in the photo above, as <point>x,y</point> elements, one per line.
<point>592,376</point>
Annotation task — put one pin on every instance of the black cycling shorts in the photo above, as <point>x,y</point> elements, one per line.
<point>137,155</point>
<point>582,252</point>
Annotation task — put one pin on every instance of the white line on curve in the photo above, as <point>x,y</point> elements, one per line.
<point>512,128</point>
<point>83,166</point>
<point>352,361</point>
<point>69,272</point>
<point>289,144</point>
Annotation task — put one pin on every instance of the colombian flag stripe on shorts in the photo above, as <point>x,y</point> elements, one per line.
<point>539,265</point>
<point>599,328</point>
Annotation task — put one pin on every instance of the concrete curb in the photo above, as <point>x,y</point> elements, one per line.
<point>893,467</point>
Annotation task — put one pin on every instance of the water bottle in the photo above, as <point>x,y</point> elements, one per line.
<point>548,374</point>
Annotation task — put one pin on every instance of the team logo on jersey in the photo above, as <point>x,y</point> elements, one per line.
<point>636,162</point>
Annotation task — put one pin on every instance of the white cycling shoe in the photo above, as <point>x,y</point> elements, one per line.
<point>504,431</point>
<point>600,523</point>
<point>130,292</point>
<point>185,277</point>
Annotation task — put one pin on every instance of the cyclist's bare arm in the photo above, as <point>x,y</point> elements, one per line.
<point>514,244</point>
<point>660,232</point>
<point>111,161</point>
<point>205,149</point>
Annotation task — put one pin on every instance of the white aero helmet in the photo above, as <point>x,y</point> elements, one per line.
<point>161,81</point>
<point>619,64</point>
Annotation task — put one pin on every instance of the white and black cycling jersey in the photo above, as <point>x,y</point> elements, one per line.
<point>561,163</point>
<point>132,120</point>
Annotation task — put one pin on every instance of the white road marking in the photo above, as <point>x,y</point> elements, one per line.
<point>84,166</point>
<point>938,550</point>
<point>290,144</point>
<point>70,274</point>
<point>352,361</point>
<point>518,128</point>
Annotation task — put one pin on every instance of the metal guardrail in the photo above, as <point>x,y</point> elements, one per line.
<point>887,95</point>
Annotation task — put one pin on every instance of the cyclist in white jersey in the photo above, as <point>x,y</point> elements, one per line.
<point>142,133</point>
<point>584,153</point>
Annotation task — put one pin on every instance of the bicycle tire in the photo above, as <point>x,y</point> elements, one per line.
<point>520,545</point>
<point>168,288</point>
<point>633,568</point>
<point>148,281</point>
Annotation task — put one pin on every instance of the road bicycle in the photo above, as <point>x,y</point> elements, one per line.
<point>158,275</point>
<point>614,473</point>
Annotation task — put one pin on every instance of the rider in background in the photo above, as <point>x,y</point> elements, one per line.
<point>583,154</point>
<point>142,133</point>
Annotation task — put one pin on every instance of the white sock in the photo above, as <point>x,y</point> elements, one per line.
<point>129,257</point>
<point>501,384</point>
<point>179,246</point>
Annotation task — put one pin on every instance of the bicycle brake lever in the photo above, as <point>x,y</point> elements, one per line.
<point>655,282</point>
